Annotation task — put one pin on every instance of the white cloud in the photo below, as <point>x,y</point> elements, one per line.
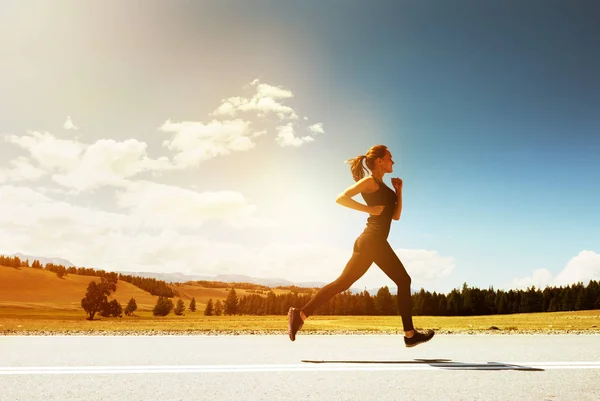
<point>115,241</point>
<point>69,125</point>
<point>540,279</point>
<point>317,128</point>
<point>108,162</point>
<point>80,166</point>
<point>21,170</point>
<point>425,266</point>
<point>274,92</point>
<point>166,206</point>
<point>286,137</point>
<point>581,268</point>
<point>264,101</point>
<point>34,223</point>
<point>196,142</point>
<point>41,218</point>
<point>48,151</point>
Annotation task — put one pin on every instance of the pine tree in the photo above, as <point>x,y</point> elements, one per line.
<point>218,308</point>
<point>179,308</point>
<point>384,304</point>
<point>163,306</point>
<point>209,310</point>
<point>231,303</point>
<point>193,305</point>
<point>131,307</point>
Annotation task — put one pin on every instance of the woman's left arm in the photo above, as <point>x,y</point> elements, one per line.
<point>397,183</point>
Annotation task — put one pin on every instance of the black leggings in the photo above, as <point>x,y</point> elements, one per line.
<point>369,248</point>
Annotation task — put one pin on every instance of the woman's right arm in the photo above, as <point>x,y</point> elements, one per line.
<point>366,185</point>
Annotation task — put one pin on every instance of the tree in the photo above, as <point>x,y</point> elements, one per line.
<point>209,310</point>
<point>218,308</point>
<point>163,306</point>
<point>231,303</point>
<point>61,271</point>
<point>179,308</point>
<point>112,308</point>
<point>131,307</point>
<point>467,300</point>
<point>383,302</point>
<point>193,305</point>
<point>97,295</point>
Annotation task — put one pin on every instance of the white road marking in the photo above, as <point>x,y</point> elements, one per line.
<point>304,367</point>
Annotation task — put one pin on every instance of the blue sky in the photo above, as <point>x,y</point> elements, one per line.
<point>491,110</point>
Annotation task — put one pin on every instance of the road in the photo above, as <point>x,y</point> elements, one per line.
<point>270,367</point>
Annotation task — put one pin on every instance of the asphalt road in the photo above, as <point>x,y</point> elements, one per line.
<point>369,367</point>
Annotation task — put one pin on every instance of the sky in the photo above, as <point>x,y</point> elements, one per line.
<point>210,137</point>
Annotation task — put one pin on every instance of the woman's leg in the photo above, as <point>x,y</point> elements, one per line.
<point>359,263</point>
<point>388,261</point>
<point>356,267</point>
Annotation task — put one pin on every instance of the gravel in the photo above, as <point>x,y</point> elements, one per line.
<point>277,332</point>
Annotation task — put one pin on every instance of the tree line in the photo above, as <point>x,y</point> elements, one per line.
<point>151,285</point>
<point>464,302</point>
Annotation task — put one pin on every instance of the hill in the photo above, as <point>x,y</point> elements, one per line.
<point>35,288</point>
<point>26,287</point>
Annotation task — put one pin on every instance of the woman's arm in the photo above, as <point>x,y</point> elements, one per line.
<point>397,183</point>
<point>365,185</point>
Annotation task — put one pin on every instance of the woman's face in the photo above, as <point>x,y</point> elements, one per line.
<point>387,163</point>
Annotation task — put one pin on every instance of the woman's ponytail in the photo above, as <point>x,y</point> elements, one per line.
<point>357,167</point>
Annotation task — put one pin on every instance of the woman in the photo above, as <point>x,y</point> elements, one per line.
<point>383,205</point>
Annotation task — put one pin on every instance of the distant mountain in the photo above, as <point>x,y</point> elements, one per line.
<point>43,259</point>
<point>240,278</point>
<point>226,278</point>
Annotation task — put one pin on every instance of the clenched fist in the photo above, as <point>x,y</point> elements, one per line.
<point>376,210</point>
<point>397,183</point>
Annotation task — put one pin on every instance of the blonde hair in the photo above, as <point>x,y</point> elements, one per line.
<point>356,164</point>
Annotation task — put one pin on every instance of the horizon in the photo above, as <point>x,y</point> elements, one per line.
<point>275,282</point>
<point>210,139</point>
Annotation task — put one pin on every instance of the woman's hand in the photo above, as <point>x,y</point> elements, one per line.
<point>397,183</point>
<point>376,210</point>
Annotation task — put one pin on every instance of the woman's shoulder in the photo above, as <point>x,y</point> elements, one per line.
<point>369,185</point>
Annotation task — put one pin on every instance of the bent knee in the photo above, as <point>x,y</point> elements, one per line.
<point>404,281</point>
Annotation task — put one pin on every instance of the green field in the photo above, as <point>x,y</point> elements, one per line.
<point>49,321</point>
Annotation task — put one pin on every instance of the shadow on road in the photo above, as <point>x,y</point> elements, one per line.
<point>444,364</point>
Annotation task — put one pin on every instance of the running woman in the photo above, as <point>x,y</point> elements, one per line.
<point>382,204</point>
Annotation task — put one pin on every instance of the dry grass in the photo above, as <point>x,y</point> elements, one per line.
<point>40,289</point>
<point>55,321</point>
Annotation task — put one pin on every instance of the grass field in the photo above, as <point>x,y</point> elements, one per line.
<point>20,320</point>
<point>37,301</point>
